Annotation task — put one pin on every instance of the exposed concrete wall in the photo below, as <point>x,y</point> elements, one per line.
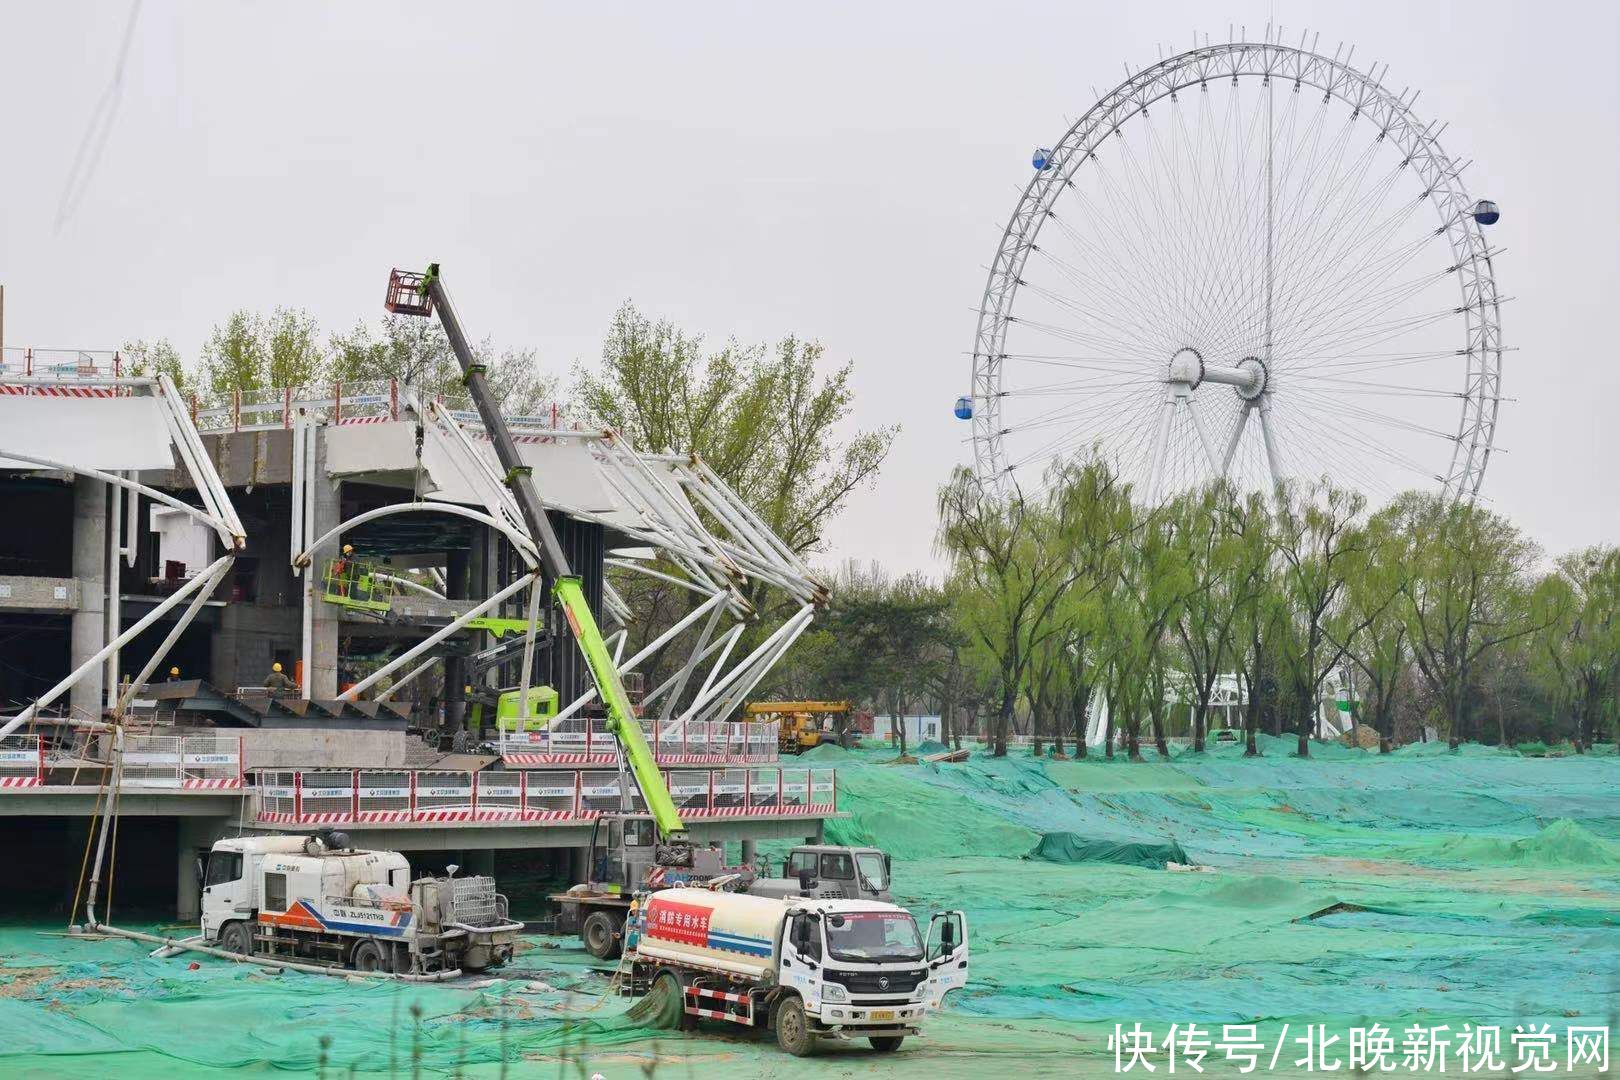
<point>243,649</point>
<point>305,748</point>
<point>89,631</point>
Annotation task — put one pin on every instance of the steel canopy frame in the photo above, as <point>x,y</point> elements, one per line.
<point>217,513</point>
<point>1293,66</point>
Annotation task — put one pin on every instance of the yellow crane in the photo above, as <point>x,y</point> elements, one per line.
<point>801,725</point>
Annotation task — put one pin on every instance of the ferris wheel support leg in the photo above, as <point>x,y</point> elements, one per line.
<point>1270,439</point>
<point>1237,437</point>
<point>1156,477</point>
<point>1204,437</point>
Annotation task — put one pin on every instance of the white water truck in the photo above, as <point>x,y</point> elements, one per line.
<point>811,969</point>
<point>315,899</point>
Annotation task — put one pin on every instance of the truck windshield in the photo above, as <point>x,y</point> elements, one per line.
<point>871,865</point>
<point>868,936</point>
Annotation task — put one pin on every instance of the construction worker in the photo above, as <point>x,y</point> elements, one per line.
<point>174,674</point>
<point>339,571</point>
<point>278,683</point>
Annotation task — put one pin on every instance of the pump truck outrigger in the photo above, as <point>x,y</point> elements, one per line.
<point>424,294</point>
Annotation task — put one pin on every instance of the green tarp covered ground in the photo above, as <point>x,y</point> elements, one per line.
<point>1422,887</point>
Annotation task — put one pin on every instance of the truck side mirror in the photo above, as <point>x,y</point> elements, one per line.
<point>807,880</point>
<point>201,874</point>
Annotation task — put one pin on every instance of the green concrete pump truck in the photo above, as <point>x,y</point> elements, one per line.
<point>424,294</point>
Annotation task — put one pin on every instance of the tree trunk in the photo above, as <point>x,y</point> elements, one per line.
<point>1003,719</point>
<point>1108,727</point>
<point>1082,707</point>
<point>1251,718</point>
<point>1037,718</point>
<point>1157,715</point>
<point>1307,721</point>
<point>1200,712</point>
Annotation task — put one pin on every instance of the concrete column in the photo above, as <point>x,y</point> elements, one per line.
<point>89,630</point>
<point>323,672</point>
<point>750,849</point>
<point>821,831</point>
<point>455,667</point>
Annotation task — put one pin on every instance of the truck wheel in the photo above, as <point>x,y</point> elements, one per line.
<point>793,1029</point>
<point>368,957</point>
<point>669,1002</point>
<point>885,1044</point>
<point>601,935</point>
<point>236,938</point>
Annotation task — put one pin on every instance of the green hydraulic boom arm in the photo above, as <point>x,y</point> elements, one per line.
<point>424,294</point>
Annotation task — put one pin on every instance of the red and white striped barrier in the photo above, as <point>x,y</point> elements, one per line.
<point>580,741</point>
<point>331,797</point>
<point>22,761</point>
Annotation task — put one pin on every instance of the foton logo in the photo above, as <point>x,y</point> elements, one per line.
<point>685,923</point>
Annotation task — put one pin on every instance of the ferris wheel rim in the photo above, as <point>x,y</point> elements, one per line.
<point>1471,253</point>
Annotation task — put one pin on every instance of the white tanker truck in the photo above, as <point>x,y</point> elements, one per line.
<point>808,968</point>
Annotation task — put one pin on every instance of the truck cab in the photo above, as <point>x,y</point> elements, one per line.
<point>866,969</point>
<point>831,871</point>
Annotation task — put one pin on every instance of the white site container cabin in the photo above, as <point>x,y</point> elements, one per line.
<point>809,968</point>
<point>317,899</point>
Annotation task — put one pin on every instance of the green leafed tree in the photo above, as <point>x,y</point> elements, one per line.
<point>1468,594</point>
<point>149,359</point>
<point>768,421</point>
<point>249,352</point>
<point>416,353</point>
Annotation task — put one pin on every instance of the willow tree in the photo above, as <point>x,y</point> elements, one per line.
<point>1578,607</point>
<point>1468,594</point>
<point>1379,646</point>
<point>1318,538</point>
<point>1015,560</point>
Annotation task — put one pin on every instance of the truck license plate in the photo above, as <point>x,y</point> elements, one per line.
<point>882,1014</point>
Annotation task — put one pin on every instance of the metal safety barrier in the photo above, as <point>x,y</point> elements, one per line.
<point>578,741</point>
<point>337,797</point>
<point>182,761</point>
<point>22,761</point>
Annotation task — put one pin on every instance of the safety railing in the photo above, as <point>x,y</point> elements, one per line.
<point>59,372</point>
<point>333,797</point>
<point>578,741</point>
<point>22,761</point>
<point>334,403</point>
<point>182,761</point>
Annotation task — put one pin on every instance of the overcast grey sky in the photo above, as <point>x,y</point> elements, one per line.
<point>839,171</point>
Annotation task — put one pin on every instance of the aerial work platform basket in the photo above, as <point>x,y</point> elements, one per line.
<point>407,293</point>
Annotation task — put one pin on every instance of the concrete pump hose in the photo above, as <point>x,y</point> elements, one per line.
<point>188,945</point>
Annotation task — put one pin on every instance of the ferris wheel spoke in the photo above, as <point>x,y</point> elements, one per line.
<point>1126,326</point>
<point>1329,324</point>
<point>1139,293</point>
<point>1126,322</point>
<point>1090,283</point>
<point>1328,419</point>
<point>1325,301</point>
<point>1073,437</point>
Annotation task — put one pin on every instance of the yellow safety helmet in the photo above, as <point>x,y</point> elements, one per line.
<point>174,671</point>
<point>348,549</point>
<point>276,666</point>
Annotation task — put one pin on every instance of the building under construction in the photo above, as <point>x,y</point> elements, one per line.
<point>295,600</point>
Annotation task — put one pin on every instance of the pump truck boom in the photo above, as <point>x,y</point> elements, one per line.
<point>424,294</point>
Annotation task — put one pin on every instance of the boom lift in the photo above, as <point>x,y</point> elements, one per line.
<point>424,294</point>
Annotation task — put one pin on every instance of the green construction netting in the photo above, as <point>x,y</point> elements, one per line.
<point>1423,886</point>
<point>1068,847</point>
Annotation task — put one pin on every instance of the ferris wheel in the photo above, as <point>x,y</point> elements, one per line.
<point>1248,260</point>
